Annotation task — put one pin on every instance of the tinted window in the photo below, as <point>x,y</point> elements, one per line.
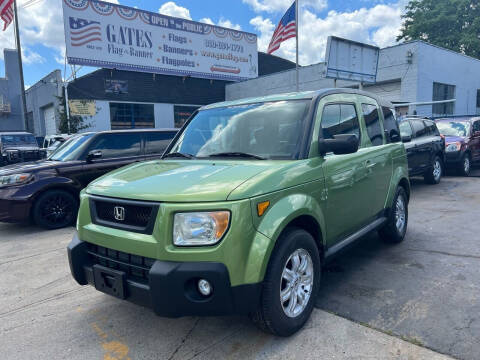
<point>21,139</point>
<point>372,122</point>
<point>156,143</point>
<point>419,128</point>
<point>117,145</point>
<point>476,126</point>
<point>443,92</point>
<point>431,128</point>
<point>339,119</point>
<point>71,149</point>
<point>405,128</point>
<point>390,124</point>
<point>131,116</point>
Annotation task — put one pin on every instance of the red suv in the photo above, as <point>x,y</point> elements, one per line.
<point>462,142</point>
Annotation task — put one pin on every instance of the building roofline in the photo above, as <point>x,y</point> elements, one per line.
<point>39,81</point>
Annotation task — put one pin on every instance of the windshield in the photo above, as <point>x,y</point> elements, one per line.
<point>453,128</point>
<point>71,149</point>
<point>21,139</point>
<point>270,130</point>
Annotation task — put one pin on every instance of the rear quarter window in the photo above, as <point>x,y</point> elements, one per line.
<point>372,122</point>
<point>390,124</point>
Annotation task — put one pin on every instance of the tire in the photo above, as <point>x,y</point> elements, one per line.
<point>279,318</point>
<point>393,231</point>
<point>465,165</point>
<point>55,209</point>
<point>434,174</point>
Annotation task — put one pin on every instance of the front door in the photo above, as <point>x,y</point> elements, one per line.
<point>475,141</point>
<point>349,188</point>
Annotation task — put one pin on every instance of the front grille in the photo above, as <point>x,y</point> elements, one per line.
<point>129,215</point>
<point>135,267</point>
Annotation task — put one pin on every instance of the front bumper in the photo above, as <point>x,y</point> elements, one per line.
<point>14,210</point>
<point>453,157</point>
<point>170,289</point>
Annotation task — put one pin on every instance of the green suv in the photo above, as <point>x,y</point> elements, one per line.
<point>251,198</point>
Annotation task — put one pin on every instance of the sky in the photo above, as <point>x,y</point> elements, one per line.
<point>375,22</point>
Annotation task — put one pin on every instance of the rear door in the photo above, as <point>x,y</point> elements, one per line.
<point>475,141</point>
<point>410,147</point>
<point>156,143</point>
<point>424,145</point>
<point>118,149</point>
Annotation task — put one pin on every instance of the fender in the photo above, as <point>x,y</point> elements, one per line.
<point>270,226</point>
<point>400,173</point>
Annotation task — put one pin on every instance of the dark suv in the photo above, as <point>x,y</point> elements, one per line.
<point>462,142</point>
<point>47,190</point>
<point>18,147</point>
<point>425,148</point>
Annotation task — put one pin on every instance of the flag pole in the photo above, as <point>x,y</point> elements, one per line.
<point>296,32</point>
<point>19,53</point>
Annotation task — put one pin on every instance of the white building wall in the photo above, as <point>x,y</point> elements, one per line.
<point>164,117</point>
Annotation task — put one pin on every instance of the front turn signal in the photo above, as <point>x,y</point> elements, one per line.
<point>262,207</point>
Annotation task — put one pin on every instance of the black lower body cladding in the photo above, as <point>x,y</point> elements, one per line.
<point>171,288</point>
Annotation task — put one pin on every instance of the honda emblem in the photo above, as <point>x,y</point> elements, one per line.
<point>119,213</point>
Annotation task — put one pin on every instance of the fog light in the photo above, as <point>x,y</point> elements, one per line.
<point>204,287</point>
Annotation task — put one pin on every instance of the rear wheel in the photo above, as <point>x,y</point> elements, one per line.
<point>55,209</point>
<point>434,175</point>
<point>465,164</point>
<point>291,284</point>
<point>395,228</point>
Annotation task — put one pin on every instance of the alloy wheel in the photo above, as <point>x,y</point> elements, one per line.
<point>466,165</point>
<point>400,215</point>
<point>437,170</point>
<point>296,284</point>
<point>57,210</point>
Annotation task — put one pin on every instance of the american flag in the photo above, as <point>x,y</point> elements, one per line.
<point>84,31</point>
<point>286,29</point>
<point>6,12</point>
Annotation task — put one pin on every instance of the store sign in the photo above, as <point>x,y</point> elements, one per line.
<point>116,86</point>
<point>113,36</point>
<point>82,107</point>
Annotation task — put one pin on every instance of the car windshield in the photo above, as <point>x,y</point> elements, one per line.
<point>20,139</point>
<point>70,149</point>
<point>453,128</point>
<point>271,130</point>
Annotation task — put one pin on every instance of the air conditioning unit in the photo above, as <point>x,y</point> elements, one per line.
<point>4,106</point>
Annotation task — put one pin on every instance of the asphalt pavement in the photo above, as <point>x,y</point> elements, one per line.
<point>377,301</point>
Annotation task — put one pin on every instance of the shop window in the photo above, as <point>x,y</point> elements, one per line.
<point>443,92</point>
<point>131,116</point>
<point>182,113</point>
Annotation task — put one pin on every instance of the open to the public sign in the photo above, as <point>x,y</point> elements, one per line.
<point>113,36</point>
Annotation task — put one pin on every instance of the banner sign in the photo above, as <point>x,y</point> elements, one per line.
<point>114,36</point>
<point>82,107</point>
<point>116,86</point>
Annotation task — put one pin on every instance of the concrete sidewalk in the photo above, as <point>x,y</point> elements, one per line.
<point>44,314</point>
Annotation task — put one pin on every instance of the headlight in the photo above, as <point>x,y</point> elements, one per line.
<point>453,147</point>
<point>200,228</point>
<point>14,179</point>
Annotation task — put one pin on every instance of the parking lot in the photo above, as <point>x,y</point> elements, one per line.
<point>377,301</point>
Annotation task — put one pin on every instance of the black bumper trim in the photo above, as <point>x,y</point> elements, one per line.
<point>171,290</point>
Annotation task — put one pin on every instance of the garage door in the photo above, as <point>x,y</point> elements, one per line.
<point>391,91</point>
<point>50,124</point>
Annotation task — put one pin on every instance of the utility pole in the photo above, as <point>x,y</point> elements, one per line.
<point>19,53</point>
<point>296,35</point>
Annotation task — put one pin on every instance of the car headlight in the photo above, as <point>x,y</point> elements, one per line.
<point>14,179</point>
<point>453,147</point>
<point>200,228</point>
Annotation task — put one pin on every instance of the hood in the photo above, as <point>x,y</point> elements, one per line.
<point>20,147</point>
<point>177,180</point>
<point>453,139</point>
<point>28,167</point>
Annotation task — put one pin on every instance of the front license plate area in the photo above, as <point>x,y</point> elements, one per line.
<point>109,281</point>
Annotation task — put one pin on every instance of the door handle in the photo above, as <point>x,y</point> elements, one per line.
<point>369,166</point>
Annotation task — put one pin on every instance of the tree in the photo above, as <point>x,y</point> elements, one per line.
<point>76,122</point>
<point>452,24</point>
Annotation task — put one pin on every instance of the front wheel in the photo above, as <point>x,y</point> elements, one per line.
<point>55,209</point>
<point>464,166</point>
<point>395,228</point>
<point>291,284</point>
<point>434,175</point>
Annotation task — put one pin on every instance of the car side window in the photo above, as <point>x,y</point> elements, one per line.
<point>118,145</point>
<point>419,128</point>
<point>372,122</point>
<point>476,126</point>
<point>157,142</point>
<point>390,124</point>
<point>431,128</point>
<point>338,119</point>
<point>405,128</point>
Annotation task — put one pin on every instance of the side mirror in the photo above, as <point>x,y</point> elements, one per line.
<point>406,138</point>
<point>476,134</point>
<point>393,135</point>
<point>339,145</point>
<point>94,154</point>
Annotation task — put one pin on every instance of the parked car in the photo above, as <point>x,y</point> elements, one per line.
<point>462,142</point>
<point>47,191</point>
<point>251,199</point>
<point>52,142</point>
<point>18,147</point>
<point>425,148</point>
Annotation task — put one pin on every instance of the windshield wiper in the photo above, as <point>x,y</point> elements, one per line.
<point>237,154</point>
<point>178,154</point>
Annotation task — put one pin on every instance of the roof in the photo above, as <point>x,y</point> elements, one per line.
<point>297,96</point>
<point>459,118</point>
<point>20,132</point>
<point>158,88</point>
